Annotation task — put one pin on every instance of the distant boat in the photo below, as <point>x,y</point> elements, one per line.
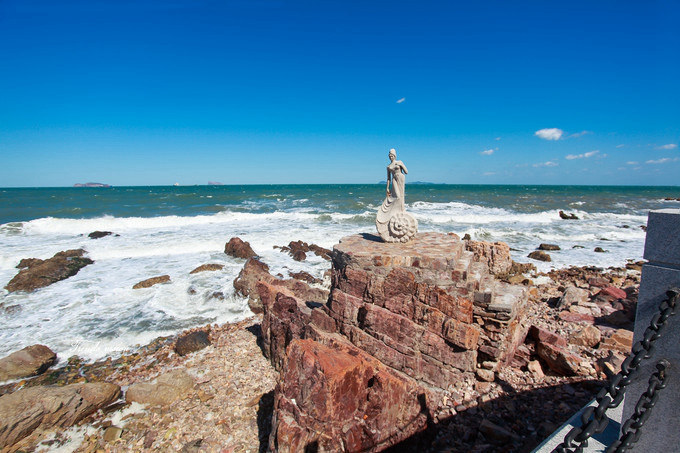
<point>176,184</point>
<point>91,184</point>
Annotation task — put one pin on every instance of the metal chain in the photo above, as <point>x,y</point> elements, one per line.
<point>630,432</point>
<point>594,419</point>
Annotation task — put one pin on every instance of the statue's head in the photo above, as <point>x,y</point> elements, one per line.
<point>393,154</point>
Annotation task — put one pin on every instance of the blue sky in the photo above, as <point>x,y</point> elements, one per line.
<point>256,91</point>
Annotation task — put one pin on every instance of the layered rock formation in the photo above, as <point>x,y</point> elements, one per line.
<point>405,328</point>
<point>36,273</point>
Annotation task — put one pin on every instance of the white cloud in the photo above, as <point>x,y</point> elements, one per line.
<point>668,146</point>
<point>551,133</point>
<point>663,160</point>
<point>579,134</point>
<point>632,162</point>
<point>497,138</point>
<point>620,146</point>
<point>489,173</point>
<point>486,152</point>
<point>546,164</point>
<point>582,156</point>
<point>400,100</point>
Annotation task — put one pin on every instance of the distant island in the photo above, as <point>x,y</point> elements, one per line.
<point>214,183</point>
<point>91,184</point>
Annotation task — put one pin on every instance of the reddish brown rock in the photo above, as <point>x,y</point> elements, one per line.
<point>305,277</point>
<point>545,336</point>
<point>559,359</point>
<point>337,398</point>
<point>577,317</point>
<point>495,255</point>
<point>299,249</point>
<point>149,282</point>
<point>614,292</point>
<point>239,249</point>
<point>35,408</point>
<point>540,256</point>
<point>36,273</point>
<point>588,336</point>
<point>621,340</point>
<point>162,391</point>
<point>207,267</point>
<point>30,361</point>
<point>255,271</point>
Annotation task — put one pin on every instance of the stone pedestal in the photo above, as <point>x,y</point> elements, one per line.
<point>662,248</point>
<point>403,330</point>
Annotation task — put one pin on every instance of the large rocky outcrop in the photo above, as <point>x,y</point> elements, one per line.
<point>35,408</point>
<point>495,255</point>
<point>36,273</point>
<point>29,361</point>
<point>422,314</point>
<point>237,248</point>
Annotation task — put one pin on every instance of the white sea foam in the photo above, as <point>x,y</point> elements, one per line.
<point>96,312</point>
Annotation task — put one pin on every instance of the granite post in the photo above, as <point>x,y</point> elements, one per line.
<point>662,272</point>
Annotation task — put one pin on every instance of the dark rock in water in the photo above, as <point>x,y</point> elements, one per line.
<point>540,256</point>
<point>643,227</point>
<point>566,216</point>
<point>300,249</point>
<point>549,247</point>
<point>578,247</point>
<point>600,250</point>
<point>207,267</point>
<point>467,237</point>
<point>42,407</point>
<point>219,295</point>
<point>99,234</point>
<point>239,249</point>
<point>30,361</point>
<point>149,282</point>
<point>191,342</point>
<point>299,255</point>
<point>36,273</point>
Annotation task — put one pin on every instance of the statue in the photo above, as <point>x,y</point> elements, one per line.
<point>394,224</point>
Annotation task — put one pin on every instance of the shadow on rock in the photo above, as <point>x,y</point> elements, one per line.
<point>264,419</point>
<point>514,423</point>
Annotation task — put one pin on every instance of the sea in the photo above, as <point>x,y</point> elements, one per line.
<point>172,230</point>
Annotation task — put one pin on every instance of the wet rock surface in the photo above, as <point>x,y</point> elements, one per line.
<point>237,248</point>
<point>36,273</point>
<point>149,282</point>
<point>29,361</point>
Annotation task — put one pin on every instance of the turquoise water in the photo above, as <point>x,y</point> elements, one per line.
<point>172,230</point>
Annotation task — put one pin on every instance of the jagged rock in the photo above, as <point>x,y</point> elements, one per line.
<point>34,408</point>
<point>338,398</point>
<point>566,216</point>
<point>30,361</point>
<point>541,335</point>
<point>99,234</point>
<point>588,336</point>
<point>254,271</point>
<point>534,367</point>
<point>163,391</point>
<point>239,249</point>
<point>599,250</point>
<point>486,375</point>
<point>207,267</point>
<point>149,282</point>
<point>549,247</point>
<point>299,249</point>
<point>305,277</point>
<point>36,273</point>
<point>112,433</point>
<point>614,292</point>
<point>191,342</point>
<point>539,256</point>
<point>559,359</point>
<point>621,340</point>
<point>572,295</point>
<point>496,255</point>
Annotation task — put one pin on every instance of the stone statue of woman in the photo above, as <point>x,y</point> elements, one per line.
<point>394,224</point>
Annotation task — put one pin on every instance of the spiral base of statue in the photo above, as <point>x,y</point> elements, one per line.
<point>400,227</point>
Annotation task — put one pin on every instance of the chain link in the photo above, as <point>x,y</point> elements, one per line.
<point>594,418</point>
